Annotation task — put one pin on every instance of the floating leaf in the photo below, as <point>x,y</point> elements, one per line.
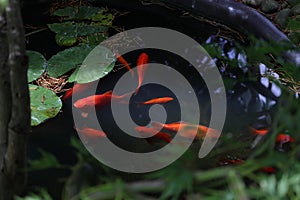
<point>67,12</point>
<point>88,12</point>
<point>44,104</point>
<point>82,13</point>
<point>72,78</point>
<point>76,29</point>
<point>97,64</point>
<point>104,18</point>
<point>63,40</point>
<point>37,65</point>
<point>68,59</point>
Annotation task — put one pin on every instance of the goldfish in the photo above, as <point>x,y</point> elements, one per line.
<point>157,101</point>
<point>146,131</point>
<point>77,88</point>
<point>284,138</point>
<point>227,161</point>
<point>188,130</point>
<point>141,69</point>
<point>90,132</point>
<point>99,101</point>
<point>268,169</point>
<point>124,62</point>
<point>258,132</point>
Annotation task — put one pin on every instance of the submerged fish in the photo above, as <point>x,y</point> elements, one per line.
<point>284,138</point>
<point>160,100</point>
<point>141,69</point>
<point>124,62</point>
<point>76,89</point>
<point>99,100</point>
<point>90,132</point>
<point>258,131</point>
<point>188,130</point>
<point>151,132</point>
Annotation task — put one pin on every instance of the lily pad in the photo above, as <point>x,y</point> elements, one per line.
<point>68,59</point>
<point>76,29</point>
<point>82,13</point>
<point>44,104</point>
<point>37,65</point>
<point>97,64</point>
<point>63,40</point>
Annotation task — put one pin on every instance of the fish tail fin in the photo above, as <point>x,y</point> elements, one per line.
<point>157,125</point>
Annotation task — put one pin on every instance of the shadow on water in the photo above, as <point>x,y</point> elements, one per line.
<point>249,102</point>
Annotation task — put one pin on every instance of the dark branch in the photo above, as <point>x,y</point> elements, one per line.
<point>5,102</point>
<point>19,125</point>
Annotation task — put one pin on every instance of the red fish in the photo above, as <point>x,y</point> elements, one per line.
<point>258,131</point>
<point>124,62</point>
<point>77,88</point>
<point>141,69</point>
<point>99,101</point>
<point>90,132</point>
<point>188,129</point>
<point>146,131</point>
<point>284,138</point>
<point>171,127</point>
<point>268,169</point>
<point>157,101</point>
<point>228,161</point>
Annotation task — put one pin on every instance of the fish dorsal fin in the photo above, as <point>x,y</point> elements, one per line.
<point>108,92</point>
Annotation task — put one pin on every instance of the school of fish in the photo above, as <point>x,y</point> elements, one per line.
<point>157,130</point>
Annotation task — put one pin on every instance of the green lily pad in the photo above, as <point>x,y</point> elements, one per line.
<point>44,104</point>
<point>37,65</point>
<point>67,12</point>
<point>68,59</point>
<point>63,40</point>
<point>73,76</point>
<point>76,29</point>
<point>88,12</point>
<point>82,13</point>
<point>97,64</point>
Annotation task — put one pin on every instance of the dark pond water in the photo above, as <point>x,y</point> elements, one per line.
<point>248,102</point>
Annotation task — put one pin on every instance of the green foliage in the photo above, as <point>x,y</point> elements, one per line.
<point>80,13</point>
<point>37,65</point>
<point>42,195</point>
<point>293,27</point>
<point>47,160</point>
<point>80,23</point>
<point>3,4</point>
<point>96,65</point>
<point>67,60</point>
<point>44,104</point>
<point>112,190</point>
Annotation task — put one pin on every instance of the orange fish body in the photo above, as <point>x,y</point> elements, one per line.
<point>98,101</point>
<point>171,127</point>
<point>77,88</point>
<point>268,169</point>
<point>141,69</point>
<point>188,129</point>
<point>124,62</point>
<point>258,132</point>
<point>158,101</point>
<point>91,133</point>
<point>146,131</point>
<point>284,138</point>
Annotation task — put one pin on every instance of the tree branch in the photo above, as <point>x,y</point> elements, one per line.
<point>19,124</point>
<point>5,102</point>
